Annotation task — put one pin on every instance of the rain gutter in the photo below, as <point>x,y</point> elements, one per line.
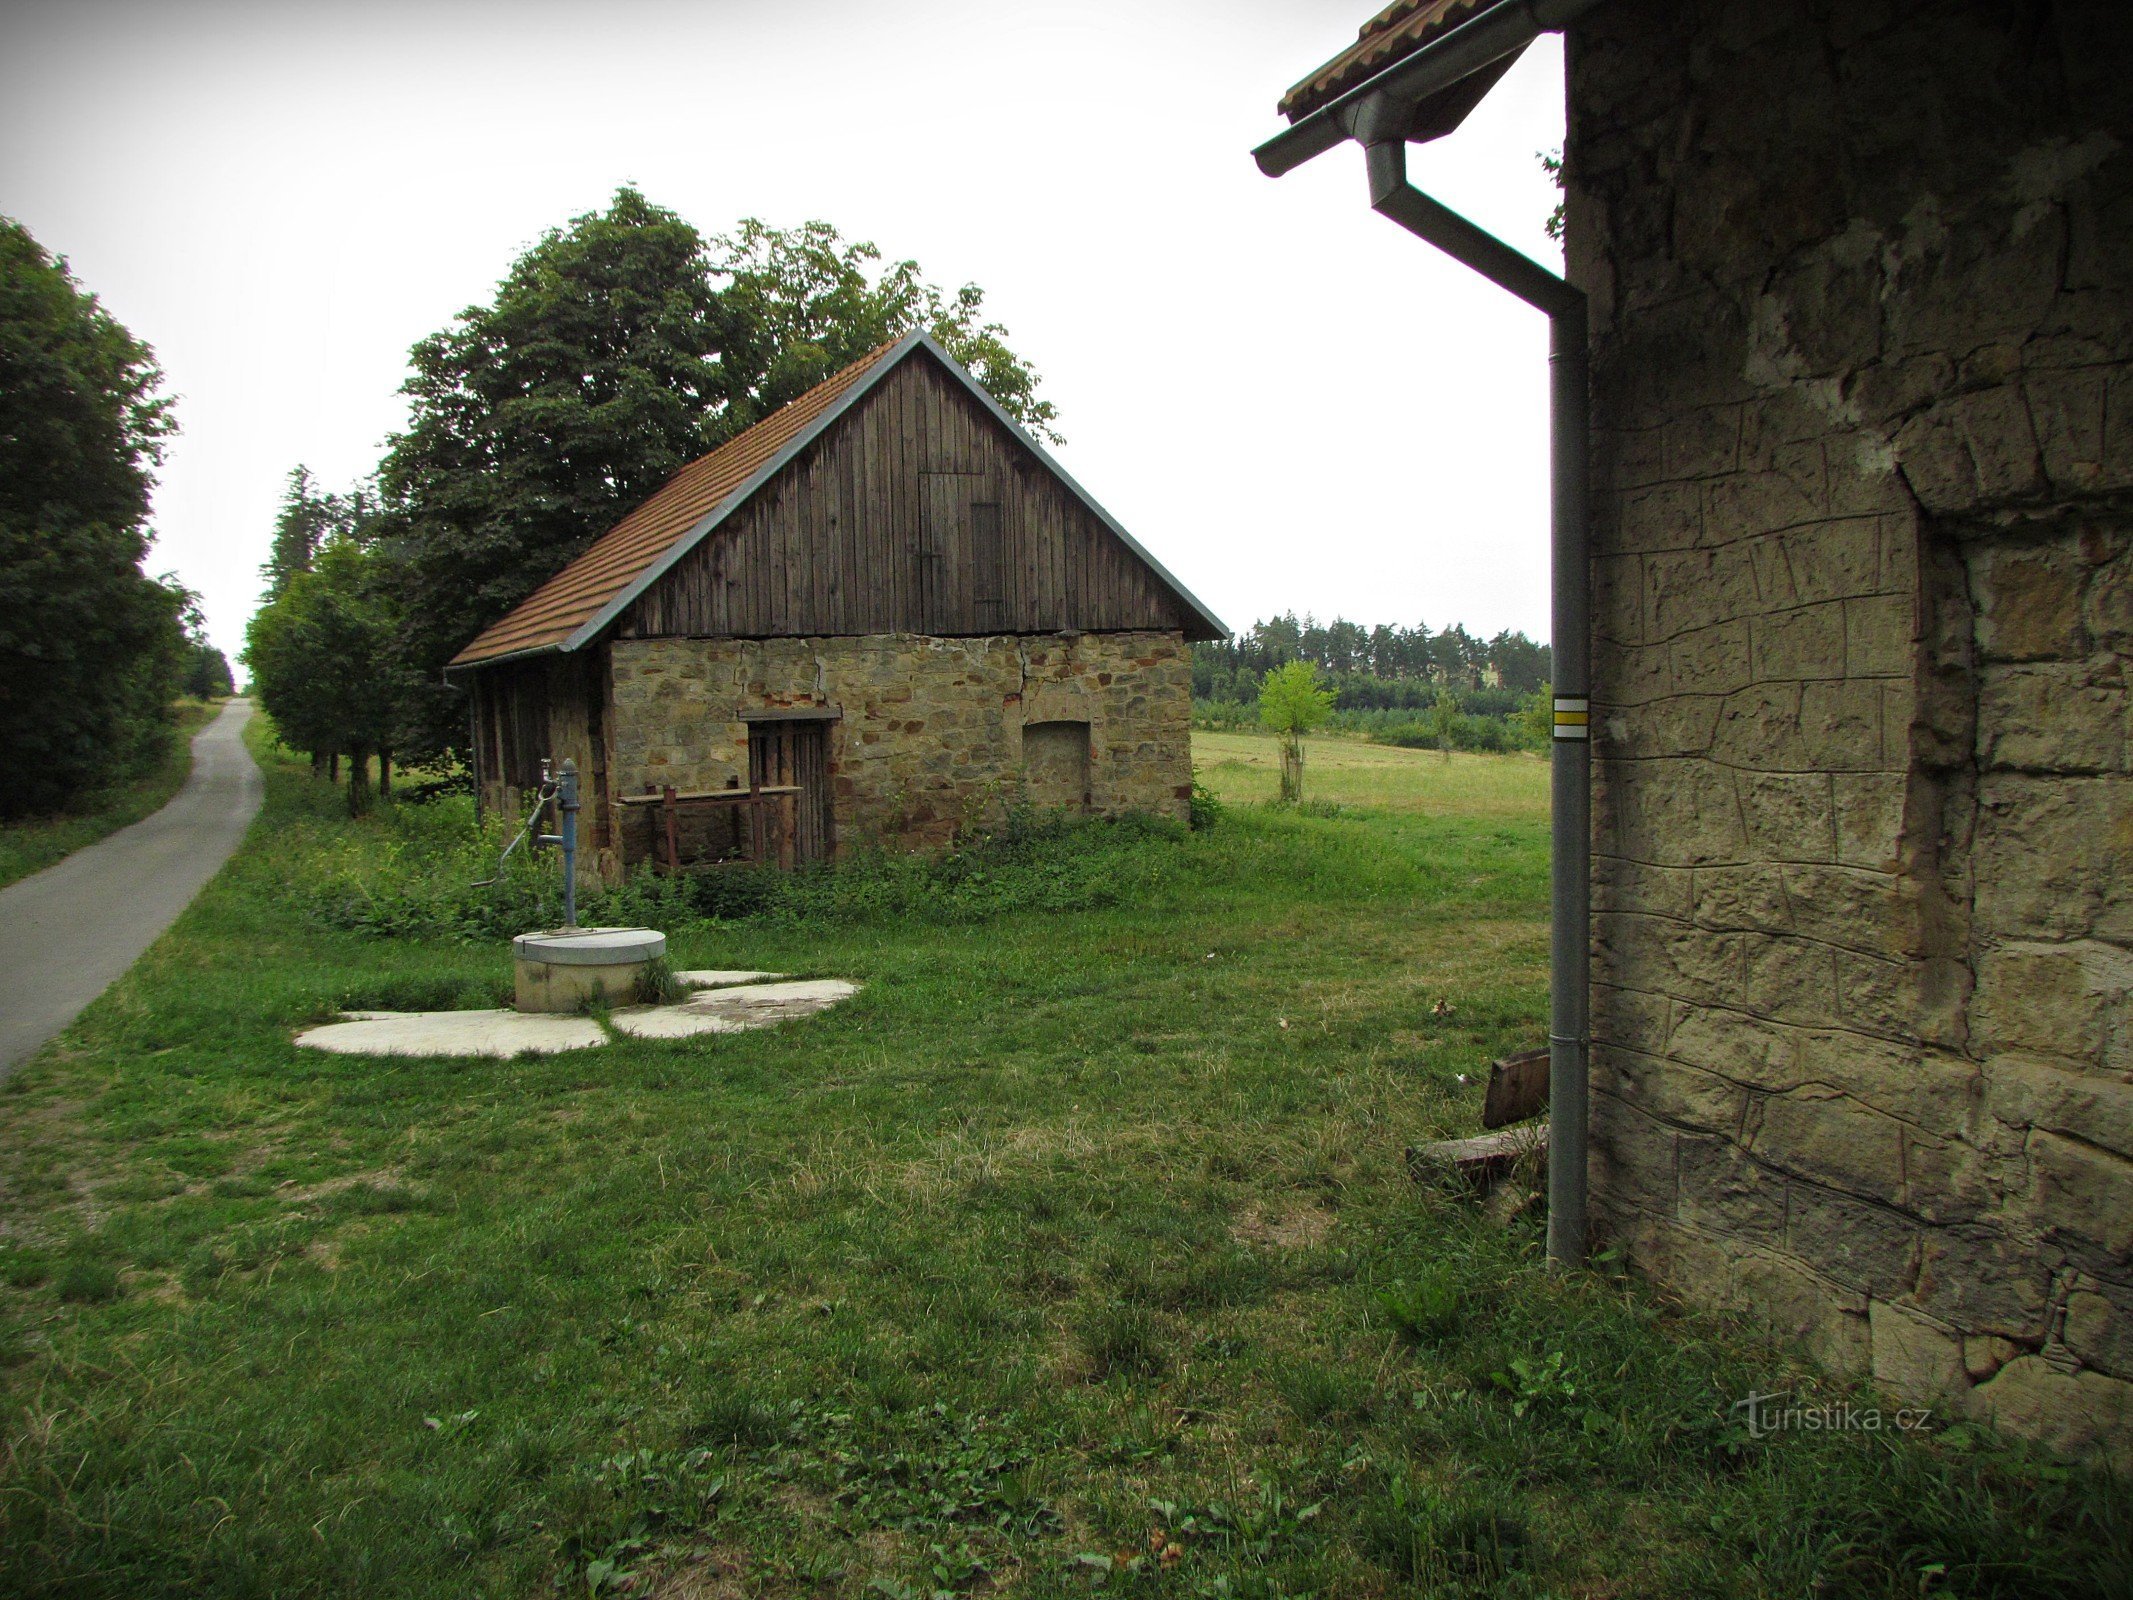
<point>1380,114</point>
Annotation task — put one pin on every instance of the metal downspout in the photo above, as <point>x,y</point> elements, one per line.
<point>1570,776</point>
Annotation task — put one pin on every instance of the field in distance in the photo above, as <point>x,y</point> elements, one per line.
<point>1245,769</point>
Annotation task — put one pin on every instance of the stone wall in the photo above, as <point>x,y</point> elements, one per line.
<point>929,740</point>
<point>1863,497</point>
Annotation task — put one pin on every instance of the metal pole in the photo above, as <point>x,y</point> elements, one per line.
<point>474,746</point>
<point>1569,784</point>
<point>1570,777</point>
<point>567,803</point>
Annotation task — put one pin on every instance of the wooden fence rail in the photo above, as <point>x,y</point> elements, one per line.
<point>757,802</point>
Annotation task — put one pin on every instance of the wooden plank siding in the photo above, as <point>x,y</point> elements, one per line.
<point>554,707</point>
<point>875,529</point>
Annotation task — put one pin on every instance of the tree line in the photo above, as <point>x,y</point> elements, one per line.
<point>618,348</point>
<point>1382,668</point>
<point>92,649</point>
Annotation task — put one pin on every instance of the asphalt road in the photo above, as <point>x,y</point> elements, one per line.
<point>69,931</point>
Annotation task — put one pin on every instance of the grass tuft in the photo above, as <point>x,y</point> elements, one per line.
<point>1121,1340</point>
<point>1464,1541</point>
<point>87,1281</point>
<point>657,984</point>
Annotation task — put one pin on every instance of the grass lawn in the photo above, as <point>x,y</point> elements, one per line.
<point>1076,1255</point>
<point>1245,769</point>
<point>32,845</point>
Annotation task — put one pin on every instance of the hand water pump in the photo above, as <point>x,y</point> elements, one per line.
<point>561,792</point>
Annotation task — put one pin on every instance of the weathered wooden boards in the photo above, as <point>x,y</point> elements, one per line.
<point>915,513</point>
<point>1518,1091</point>
<point>756,804</point>
<point>1482,1161</point>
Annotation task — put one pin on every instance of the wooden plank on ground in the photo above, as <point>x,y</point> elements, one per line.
<point>1481,1161</point>
<point>1518,1089</point>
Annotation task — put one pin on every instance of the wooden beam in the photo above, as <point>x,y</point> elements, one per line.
<point>1480,1162</point>
<point>793,714</point>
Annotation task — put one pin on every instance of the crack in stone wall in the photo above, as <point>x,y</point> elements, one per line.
<point>1863,499</point>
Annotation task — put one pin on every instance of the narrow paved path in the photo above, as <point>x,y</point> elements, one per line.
<point>68,932</point>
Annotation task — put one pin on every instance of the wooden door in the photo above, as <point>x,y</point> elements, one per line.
<point>963,557</point>
<point>797,753</point>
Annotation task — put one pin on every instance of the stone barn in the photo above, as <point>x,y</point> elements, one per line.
<point>885,600</point>
<point>1860,288</point>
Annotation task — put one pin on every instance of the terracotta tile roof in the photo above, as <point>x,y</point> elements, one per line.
<point>1399,30</point>
<point>548,617</point>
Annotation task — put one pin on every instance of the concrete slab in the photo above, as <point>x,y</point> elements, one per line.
<point>674,1022</point>
<point>729,1007</point>
<point>455,1033</point>
<point>711,978</point>
<point>736,1009</point>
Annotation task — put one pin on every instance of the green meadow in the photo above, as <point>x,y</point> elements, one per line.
<point>1078,1254</point>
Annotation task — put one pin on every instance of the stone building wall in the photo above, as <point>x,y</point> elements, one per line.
<point>1863,494</point>
<point>929,740</point>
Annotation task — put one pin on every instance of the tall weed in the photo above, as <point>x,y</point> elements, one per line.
<point>431,872</point>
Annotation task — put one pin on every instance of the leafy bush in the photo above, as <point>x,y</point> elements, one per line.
<point>413,871</point>
<point>423,872</point>
<point>1485,735</point>
<point>1428,1310</point>
<point>1206,810</point>
<point>458,782</point>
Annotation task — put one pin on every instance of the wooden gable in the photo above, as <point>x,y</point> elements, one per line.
<point>915,511</point>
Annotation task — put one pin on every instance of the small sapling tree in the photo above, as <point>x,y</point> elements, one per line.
<point>1536,717</point>
<point>1291,703</point>
<point>1444,722</point>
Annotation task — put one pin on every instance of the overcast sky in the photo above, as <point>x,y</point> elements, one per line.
<point>1291,402</point>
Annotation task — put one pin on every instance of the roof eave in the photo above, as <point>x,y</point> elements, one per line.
<point>453,668</point>
<point>1383,105</point>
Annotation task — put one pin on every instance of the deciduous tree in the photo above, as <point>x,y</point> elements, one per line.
<point>321,658</point>
<point>309,516</point>
<point>91,648</point>
<point>800,303</point>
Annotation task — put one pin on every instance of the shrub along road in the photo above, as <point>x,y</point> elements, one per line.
<point>30,844</point>
<point>70,930</point>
